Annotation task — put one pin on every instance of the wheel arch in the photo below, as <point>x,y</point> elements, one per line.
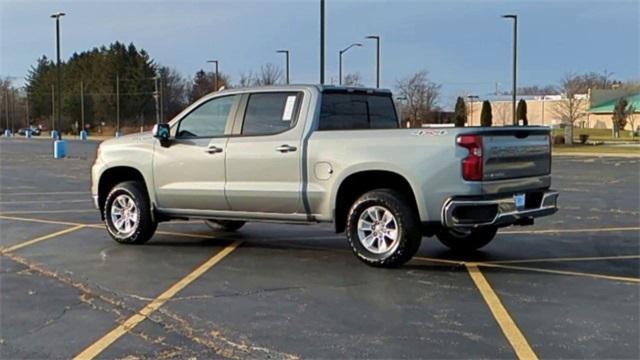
<point>115,175</point>
<point>358,183</point>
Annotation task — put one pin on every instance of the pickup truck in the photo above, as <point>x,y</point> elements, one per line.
<point>312,153</point>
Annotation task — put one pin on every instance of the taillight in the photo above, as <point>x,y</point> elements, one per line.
<point>472,164</point>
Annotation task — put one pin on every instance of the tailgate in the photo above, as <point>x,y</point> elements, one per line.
<point>516,153</point>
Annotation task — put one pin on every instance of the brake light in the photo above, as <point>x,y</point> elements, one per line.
<point>472,164</point>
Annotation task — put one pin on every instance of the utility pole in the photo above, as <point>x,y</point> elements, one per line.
<point>57,16</point>
<point>117,104</point>
<point>156,96</point>
<point>6,108</point>
<point>377,39</point>
<point>515,63</point>
<point>82,105</point>
<point>322,42</point>
<point>53,111</point>
<point>26,106</point>
<point>13,109</point>
<point>162,91</point>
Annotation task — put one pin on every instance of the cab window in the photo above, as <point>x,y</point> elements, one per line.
<point>207,120</point>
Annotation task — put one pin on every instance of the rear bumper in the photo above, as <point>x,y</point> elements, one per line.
<point>502,211</point>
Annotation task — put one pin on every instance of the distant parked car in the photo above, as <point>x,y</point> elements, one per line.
<point>34,131</point>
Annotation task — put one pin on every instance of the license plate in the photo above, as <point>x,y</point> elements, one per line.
<point>519,200</point>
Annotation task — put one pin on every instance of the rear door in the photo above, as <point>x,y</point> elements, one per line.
<point>264,156</point>
<point>516,153</point>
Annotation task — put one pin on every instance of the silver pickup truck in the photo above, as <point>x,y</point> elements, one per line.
<point>308,153</point>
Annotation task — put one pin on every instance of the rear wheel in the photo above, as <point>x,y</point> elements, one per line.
<point>127,213</point>
<point>382,229</point>
<point>224,225</point>
<point>466,240</point>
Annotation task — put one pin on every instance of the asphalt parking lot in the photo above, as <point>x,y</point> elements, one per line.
<point>568,287</point>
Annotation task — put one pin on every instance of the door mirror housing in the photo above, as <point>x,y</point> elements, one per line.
<point>162,132</point>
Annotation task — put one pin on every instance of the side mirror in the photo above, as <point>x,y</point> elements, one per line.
<point>162,132</point>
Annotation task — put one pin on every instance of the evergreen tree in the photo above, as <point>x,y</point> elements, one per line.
<point>486,117</point>
<point>460,116</point>
<point>97,70</point>
<point>521,112</point>
<point>619,117</point>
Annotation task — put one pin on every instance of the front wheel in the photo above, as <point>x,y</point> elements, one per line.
<point>383,229</point>
<point>127,213</point>
<point>466,240</point>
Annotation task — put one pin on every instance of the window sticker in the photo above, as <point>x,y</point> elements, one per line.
<point>288,108</point>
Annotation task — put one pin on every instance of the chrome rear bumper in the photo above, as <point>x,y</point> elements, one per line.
<point>466,212</point>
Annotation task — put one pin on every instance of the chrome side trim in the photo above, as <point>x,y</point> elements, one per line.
<point>507,213</point>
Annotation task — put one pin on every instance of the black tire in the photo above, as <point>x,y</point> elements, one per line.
<point>469,241</point>
<point>224,225</point>
<point>408,228</point>
<point>145,227</point>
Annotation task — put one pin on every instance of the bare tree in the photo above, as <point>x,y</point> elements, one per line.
<point>270,74</point>
<point>572,106</point>
<point>538,90</point>
<point>174,91</point>
<point>420,97</point>
<point>353,79</point>
<point>247,79</point>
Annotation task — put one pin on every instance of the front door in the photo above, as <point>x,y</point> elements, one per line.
<point>190,173</point>
<point>264,159</point>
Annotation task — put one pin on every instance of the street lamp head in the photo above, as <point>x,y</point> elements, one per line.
<point>212,61</point>
<point>376,37</point>
<point>57,15</point>
<point>349,47</point>
<point>282,51</point>
<point>510,16</point>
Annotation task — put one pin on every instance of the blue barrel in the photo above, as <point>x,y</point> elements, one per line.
<point>7,132</point>
<point>55,135</point>
<point>83,135</point>
<point>59,149</point>
<point>118,134</point>
<point>27,134</point>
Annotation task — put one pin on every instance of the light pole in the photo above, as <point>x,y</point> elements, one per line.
<point>215,79</point>
<point>286,53</point>
<point>340,60</point>
<point>515,62</point>
<point>377,39</point>
<point>57,16</point>
<point>321,42</point>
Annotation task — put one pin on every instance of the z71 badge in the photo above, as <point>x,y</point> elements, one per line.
<point>430,132</point>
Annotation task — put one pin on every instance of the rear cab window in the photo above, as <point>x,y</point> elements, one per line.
<point>353,111</point>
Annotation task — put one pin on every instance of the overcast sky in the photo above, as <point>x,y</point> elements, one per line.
<point>464,45</point>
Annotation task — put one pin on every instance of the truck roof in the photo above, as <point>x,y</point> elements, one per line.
<point>320,88</point>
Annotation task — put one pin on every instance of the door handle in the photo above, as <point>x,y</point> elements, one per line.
<point>286,148</point>
<point>213,149</point>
